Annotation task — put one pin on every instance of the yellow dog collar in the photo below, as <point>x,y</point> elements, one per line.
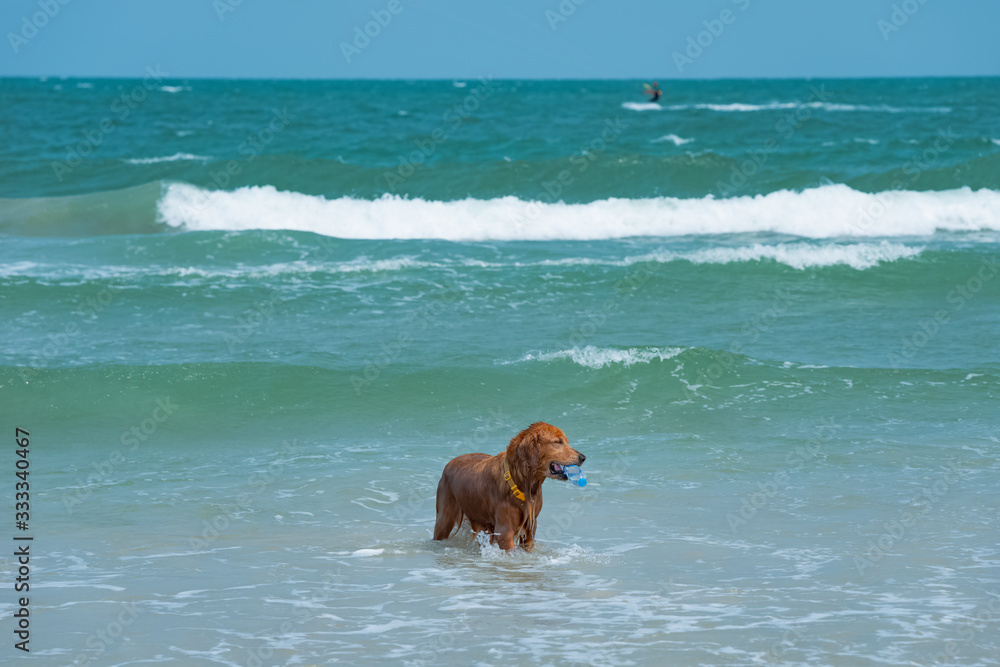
<point>513,487</point>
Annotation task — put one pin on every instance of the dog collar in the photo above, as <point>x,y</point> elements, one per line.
<point>513,487</point>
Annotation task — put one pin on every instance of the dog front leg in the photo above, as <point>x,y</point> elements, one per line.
<point>504,537</point>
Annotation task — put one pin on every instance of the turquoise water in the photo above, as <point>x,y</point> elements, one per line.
<point>247,324</point>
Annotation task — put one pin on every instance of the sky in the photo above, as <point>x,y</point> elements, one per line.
<point>507,39</point>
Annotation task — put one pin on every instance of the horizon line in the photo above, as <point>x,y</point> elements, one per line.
<point>42,77</point>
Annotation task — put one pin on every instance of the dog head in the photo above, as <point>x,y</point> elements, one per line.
<point>542,451</point>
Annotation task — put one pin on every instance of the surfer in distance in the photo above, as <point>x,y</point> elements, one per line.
<point>653,91</point>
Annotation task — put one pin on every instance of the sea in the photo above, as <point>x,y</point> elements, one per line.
<point>244,324</point>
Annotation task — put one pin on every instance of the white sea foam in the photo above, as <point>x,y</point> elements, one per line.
<point>996,141</point>
<point>367,553</point>
<point>883,108</point>
<point>677,141</point>
<point>78,584</point>
<point>736,106</point>
<point>174,89</point>
<point>599,357</point>
<point>777,106</point>
<point>797,255</point>
<point>363,264</point>
<point>824,212</point>
<point>167,158</point>
<point>642,106</point>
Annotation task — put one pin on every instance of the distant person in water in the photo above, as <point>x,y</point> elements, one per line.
<point>653,91</point>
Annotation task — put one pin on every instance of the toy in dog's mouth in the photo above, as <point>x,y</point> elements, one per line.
<point>556,470</point>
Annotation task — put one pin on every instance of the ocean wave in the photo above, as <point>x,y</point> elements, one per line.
<point>677,141</point>
<point>599,357</point>
<point>56,273</point>
<point>642,106</point>
<point>581,376</point>
<point>883,108</point>
<point>777,106</point>
<point>735,106</point>
<point>828,211</point>
<point>167,158</point>
<point>797,255</point>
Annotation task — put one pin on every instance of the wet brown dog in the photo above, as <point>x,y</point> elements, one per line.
<point>479,487</point>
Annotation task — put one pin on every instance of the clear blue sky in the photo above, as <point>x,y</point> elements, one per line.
<point>503,38</point>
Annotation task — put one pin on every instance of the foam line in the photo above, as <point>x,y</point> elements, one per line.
<point>825,212</point>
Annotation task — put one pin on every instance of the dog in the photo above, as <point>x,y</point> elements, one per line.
<point>502,494</point>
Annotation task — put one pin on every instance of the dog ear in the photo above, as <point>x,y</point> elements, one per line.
<point>531,447</point>
<point>522,454</point>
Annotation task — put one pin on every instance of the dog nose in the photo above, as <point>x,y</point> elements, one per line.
<point>582,458</point>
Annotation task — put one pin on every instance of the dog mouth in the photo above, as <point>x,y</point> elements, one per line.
<point>556,471</point>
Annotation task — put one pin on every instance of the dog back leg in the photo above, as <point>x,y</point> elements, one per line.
<point>449,514</point>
